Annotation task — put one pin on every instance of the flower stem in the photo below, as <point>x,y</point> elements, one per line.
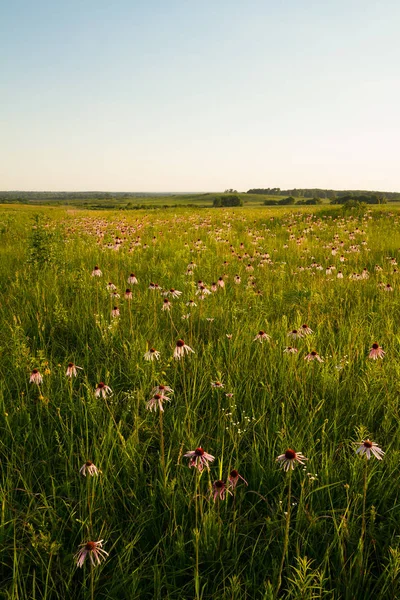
<point>286,539</point>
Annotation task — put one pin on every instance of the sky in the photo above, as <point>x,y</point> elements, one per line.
<point>130,95</point>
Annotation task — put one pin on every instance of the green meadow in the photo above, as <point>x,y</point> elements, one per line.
<point>248,393</point>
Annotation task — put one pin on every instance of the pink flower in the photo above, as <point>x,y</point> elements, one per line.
<point>367,447</point>
<point>234,477</point>
<point>96,272</point>
<point>156,401</point>
<point>102,390</point>
<point>132,279</point>
<point>152,354</point>
<point>90,468</point>
<point>166,305</point>
<point>181,349</point>
<point>288,460</point>
<point>219,490</point>
<point>290,350</point>
<point>92,549</point>
<point>295,334</point>
<point>115,312</point>
<point>261,335</point>
<point>313,356</point>
<point>128,294</point>
<point>199,458</point>
<point>306,330</point>
<point>162,389</point>
<point>72,370</point>
<point>376,352</point>
<point>36,377</point>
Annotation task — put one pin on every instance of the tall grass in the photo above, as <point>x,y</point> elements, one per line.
<point>335,536</point>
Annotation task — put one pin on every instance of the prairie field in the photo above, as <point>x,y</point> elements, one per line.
<point>131,339</point>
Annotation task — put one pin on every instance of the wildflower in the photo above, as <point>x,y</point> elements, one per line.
<point>72,370</point>
<point>237,279</point>
<point>173,293</point>
<point>288,460</point>
<point>90,468</point>
<point>376,352</point>
<point>234,477</point>
<point>229,336</point>
<point>132,279</point>
<point>111,287</point>
<point>214,287</point>
<point>191,303</point>
<point>166,305</point>
<point>36,377</point>
<point>157,401</point>
<point>115,312</point>
<point>202,292</point>
<point>339,275</point>
<point>306,329</point>
<point>261,335</point>
<point>181,349</point>
<point>128,294</point>
<point>217,384</point>
<point>219,490</point>
<point>221,282</point>
<point>92,549</point>
<point>162,389</point>
<point>199,458</point>
<point>367,447</point>
<point>388,288</point>
<point>102,390</point>
<point>290,350</point>
<point>313,356</point>
<point>185,317</point>
<point>96,272</point>
<point>152,354</point>
<point>295,334</point>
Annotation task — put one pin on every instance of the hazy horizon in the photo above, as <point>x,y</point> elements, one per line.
<point>149,96</point>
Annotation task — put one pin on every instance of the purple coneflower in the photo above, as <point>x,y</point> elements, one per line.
<point>217,384</point>
<point>221,282</point>
<point>376,352</point>
<point>306,330</point>
<point>261,335</point>
<point>162,389</point>
<point>90,468</point>
<point>313,356</point>
<point>166,305</point>
<point>290,350</point>
<point>128,294</point>
<point>92,549</point>
<point>288,460</point>
<point>115,312</point>
<point>156,401</point>
<point>181,349</point>
<point>132,279</point>
<point>36,377</point>
<point>199,458</point>
<point>367,447</point>
<point>173,293</point>
<point>295,334</point>
<point>234,477</point>
<point>102,390</point>
<point>96,272</point>
<point>111,287</point>
<point>152,354</point>
<point>219,490</point>
<point>72,370</point>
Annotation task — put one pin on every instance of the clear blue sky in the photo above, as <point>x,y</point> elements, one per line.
<point>199,96</point>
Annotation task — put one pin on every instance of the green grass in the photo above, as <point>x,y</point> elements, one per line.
<point>329,530</point>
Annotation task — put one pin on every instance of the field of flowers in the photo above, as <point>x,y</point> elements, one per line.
<point>199,404</point>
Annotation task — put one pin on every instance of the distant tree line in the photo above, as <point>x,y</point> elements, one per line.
<point>290,200</point>
<point>324,193</point>
<point>228,200</point>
